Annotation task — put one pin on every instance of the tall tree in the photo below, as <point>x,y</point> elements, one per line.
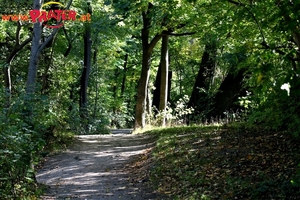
<point>147,48</point>
<point>36,48</point>
<point>86,67</point>
<point>199,98</point>
<point>164,77</point>
<point>230,89</point>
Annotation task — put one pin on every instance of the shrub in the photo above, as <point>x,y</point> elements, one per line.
<point>21,139</point>
<point>174,116</point>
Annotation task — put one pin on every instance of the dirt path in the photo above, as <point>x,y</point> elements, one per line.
<point>94,169</point>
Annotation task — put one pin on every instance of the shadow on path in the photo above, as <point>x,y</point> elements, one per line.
<point>93,168</point>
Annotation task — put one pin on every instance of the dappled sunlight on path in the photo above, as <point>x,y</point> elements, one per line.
<point>93,168</point>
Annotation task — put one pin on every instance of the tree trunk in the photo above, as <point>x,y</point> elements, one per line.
<point>86,71</point>
<point>230,89</point>
<point>145,73</point>
<point>7,81</point>
<point>199,97</point>
<point>156,92</point>
<point>97,81</point>
<point>142,92</point>
<point>47,57</point>
<point>36,49</point>
<point>164,77</point>
<point>149,105</point>
<point>35,52</point>
<point>157,84</point>
<point>169,85</point>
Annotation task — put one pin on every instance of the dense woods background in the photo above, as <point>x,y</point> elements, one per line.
<point>139,63</point>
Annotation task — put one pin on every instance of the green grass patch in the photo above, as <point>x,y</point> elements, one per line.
<point>225,163</point>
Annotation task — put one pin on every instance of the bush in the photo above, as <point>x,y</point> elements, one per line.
<point>20,141</point>
<point>174,116</point>
<point>25,128</point>
<point>278,112</point>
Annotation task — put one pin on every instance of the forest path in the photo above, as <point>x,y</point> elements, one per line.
<point>94,168</point>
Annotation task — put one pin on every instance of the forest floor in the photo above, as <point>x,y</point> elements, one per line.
<point>98,167</point>
<point>212,163</point>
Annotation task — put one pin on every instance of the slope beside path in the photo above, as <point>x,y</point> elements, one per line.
<point>94,168</point>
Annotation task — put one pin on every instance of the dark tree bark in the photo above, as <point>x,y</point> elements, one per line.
<point>199,97</point>
<point>97,82</point>
<point>47,57</point>
<point>83,99</point>
<point>230,89</point>
<point>68,50</point>
<point>140,110</point>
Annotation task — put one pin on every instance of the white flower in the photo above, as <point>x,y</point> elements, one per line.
<point>121,23</point>
<point>286,87</point>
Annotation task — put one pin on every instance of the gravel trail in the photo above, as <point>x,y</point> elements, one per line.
<point>94,169</point>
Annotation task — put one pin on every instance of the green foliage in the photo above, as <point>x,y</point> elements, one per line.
<point>174,116</point>
<point>22,137</point>
<point>275,102</point>
<point>28,127</point>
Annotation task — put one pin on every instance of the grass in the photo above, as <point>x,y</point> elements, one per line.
<point>225,163</point>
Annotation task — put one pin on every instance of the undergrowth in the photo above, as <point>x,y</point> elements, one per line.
<point>28,131</point>
<point>225,163</point>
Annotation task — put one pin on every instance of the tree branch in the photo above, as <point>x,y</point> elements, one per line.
<point>54,32</point>
<point>235,3</point>
<point>153,42</point>
<point>49,38</point>
<point>239,3</point>
<point>264,44</point>
<point>16,49</point>
<point>19,26</point>
<point>69,43</point>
